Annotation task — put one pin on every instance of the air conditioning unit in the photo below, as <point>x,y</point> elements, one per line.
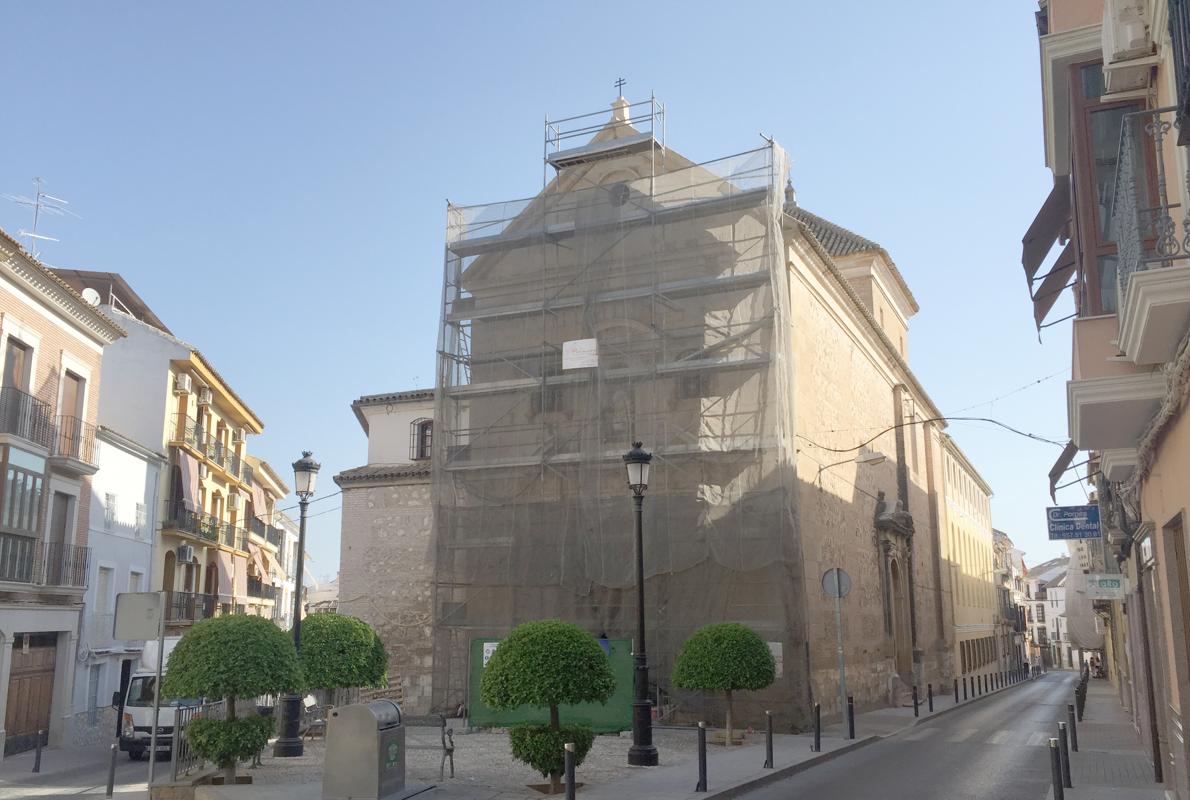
<point>204,396</point>
<point>183,384</point>
<point>235,501</point>
<point>203,472</point>
<point>237,435</point>
<point>185,554</point>
<point>1127,46</point>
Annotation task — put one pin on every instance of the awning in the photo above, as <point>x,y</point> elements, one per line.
<point>1054,282</point>
<point>223,559</point>
<point>270,562</point>
<point>188,465</point>
<point>1060,466</point>
<point>259,503</point>
<point>261,570</point>
<point>240,581</point>
<point>1047,226</point>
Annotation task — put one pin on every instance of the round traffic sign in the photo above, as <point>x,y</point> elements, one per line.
<point>836,582</point>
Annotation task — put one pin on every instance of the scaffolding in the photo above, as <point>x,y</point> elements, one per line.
<point>665,281</point>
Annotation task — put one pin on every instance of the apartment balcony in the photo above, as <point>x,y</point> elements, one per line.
<point>260,590</point>
<point>188,607</point>
<point>36,562</point>
<point>23,415</point>
<point>1153,233</point>
<point>205,526</point>
<point>212,450</point>
<point>75,450</point>
<point>1110,400</point>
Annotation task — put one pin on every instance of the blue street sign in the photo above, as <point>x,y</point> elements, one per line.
<point>1073,522</point>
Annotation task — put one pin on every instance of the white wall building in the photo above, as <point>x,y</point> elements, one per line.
<point>122,518</point>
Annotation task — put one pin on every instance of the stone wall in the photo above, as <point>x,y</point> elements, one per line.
<point>386,578</point>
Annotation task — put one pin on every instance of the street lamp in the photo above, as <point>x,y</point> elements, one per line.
<point>305,475</point>
<point>642,753</point>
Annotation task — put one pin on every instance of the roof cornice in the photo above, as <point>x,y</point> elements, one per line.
<point>30,273</point>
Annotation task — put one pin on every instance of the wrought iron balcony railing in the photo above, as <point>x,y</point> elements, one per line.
<point>22,414</point>
<point>1146,233</point>
<point>76,439</point>
<point>189,606</point>
<point>24,559</point>
<point>258,588</point>
<point>1179,37</point>
<point>212,448</point>
<point>207,527</point>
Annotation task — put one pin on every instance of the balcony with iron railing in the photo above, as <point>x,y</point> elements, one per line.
<point>1153,236</point>
<point>185,607</point>
<point>24,559</point>
<point>259,589</point>
<point>205,526</point>
<point>223,457</point>
<point>23,415</point>
<point>75,449</point>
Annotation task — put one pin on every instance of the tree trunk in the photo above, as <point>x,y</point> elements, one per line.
<point>229,768</point>
<point>555,777</point>
<point>727,740</point>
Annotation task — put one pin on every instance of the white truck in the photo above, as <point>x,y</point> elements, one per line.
<point>136,705</point>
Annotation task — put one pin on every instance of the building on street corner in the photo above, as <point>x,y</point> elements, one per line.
<point>51,350</point>
<point>1116,93</point>
<point>757,349</point>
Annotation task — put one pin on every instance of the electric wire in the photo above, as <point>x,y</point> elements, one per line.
<point>867,442</point>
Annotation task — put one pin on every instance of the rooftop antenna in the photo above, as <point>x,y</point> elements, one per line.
<point>41,203</point>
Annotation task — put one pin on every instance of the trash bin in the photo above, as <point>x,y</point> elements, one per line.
<point>365,752</point>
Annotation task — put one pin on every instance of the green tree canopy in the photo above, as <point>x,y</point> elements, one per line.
<point>339,651</point>
<point>724,657</point>
<point>546,664</point>
<point>233,656</point>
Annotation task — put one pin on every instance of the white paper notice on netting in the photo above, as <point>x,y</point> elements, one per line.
<point>1081,620</point>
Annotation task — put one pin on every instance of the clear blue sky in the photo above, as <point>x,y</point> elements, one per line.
<point>272,177</point>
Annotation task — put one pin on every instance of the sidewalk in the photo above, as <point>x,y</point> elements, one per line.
<point>1111,762</point>
<point>57,763</point>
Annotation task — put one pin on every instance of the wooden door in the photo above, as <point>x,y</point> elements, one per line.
<point>70,427</point>
<point>30,691</point>
<point>16,365</point>
<point>57,562</point>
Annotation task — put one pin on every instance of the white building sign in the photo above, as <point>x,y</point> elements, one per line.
<point>580,353</point>
<point>488,649</point>
<point>1106,587</point>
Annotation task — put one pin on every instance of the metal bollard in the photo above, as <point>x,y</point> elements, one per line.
<point>37,753</point>
<point>1056,770</point>
<point>569,747</point>
<point>817,728</point>
<point>956,690</point>
<point>930,696</point>
<point>701,786</point>
<point>1064,748</point>
<point>1072,727</point>
<point>964,687</point>
<point>850,717</point>
<point>916,710</point>
<point>111,772</point>
<point>768,740</point>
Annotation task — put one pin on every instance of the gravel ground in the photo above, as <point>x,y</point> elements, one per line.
<point>483,759</point>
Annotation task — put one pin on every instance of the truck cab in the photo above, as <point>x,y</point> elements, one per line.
<point>136,706</point>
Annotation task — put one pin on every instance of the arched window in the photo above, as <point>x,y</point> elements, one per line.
<point>421,435</point>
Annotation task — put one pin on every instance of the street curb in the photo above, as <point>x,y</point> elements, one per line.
<point>964,704</point>
<point>784,772</point>
<point>793,769</point>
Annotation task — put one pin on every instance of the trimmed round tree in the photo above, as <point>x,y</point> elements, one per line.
<point>725,657</point>
<point>546,664</point>
<point>340,652</point>
<point>231,657</point>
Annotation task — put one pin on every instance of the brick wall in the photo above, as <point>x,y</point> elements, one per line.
<point>56,339</point>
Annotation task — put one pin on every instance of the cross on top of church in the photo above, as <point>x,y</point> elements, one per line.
<point>620,85</point>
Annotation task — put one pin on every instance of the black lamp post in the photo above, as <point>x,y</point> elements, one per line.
<point>642,753</point>
<point>305,474</point>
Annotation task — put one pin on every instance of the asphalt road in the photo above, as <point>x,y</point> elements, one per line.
<point>996,748</point>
